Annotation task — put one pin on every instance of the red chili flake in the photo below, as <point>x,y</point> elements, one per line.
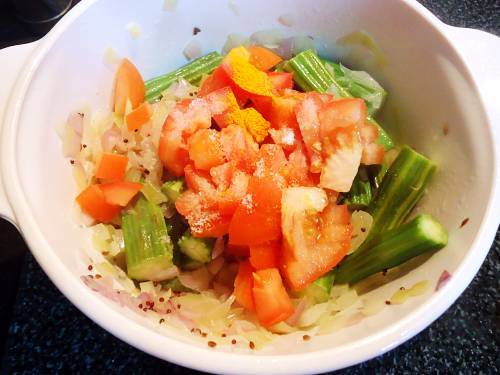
<point>212,344</point>
<point>98,276</point>
<point>90,267</point>
<point>233,341</point>
<point>251,345</point>
<point>387,302</point>
<point>162,320</point>
<point>223,335</point>
<point>161,299</point>
<point>72,161</point>
<point>306,337</point>
<point>464,221</point>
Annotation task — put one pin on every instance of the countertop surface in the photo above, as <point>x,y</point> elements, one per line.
<point>44,333</point>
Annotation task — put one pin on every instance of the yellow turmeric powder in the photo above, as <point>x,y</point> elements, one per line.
<point>246,75</point>
<point>250,120</point>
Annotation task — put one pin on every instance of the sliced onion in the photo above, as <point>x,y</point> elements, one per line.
<point>443,279</point>
<point>192,50</point>
<point>215,265</point>
<point>271,38</point>
<point>299,309</point>
<point>110,138</point>
<point>198,279</point>
<point>75,121</point>
<point>218,247</point>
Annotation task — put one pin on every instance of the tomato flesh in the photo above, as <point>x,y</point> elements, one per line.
<point>243,285</point>
<point>258,216</point>
<point>272,303</point>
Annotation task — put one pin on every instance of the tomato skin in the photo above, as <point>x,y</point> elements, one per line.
<point>129,86</point>
<point>217,80</point>
<point>120,193</point>
<point>93,202</point>
<point>265,255</point>
<point>243,285</point>
<point>281,81</point>
<point>205,149</point>
<point>272,303</point>
<point>262,58</point>
<point>257,218</point>
<point>111,167</point>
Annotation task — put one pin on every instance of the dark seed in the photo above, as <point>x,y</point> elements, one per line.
<point>402,288</point>
<point>387,302</point>
<point>212,344</point>
<point>179,306</point>
<point>196,30</point>
<point>306,337</point>
<point>90,267</point>
<point>98,276</point>
<point>251,345</point>
<point>125,140</point>
<point>203,334</point>
<point>363,230</point>
<point>162,320</point>
<point>233,341</point>
<point>223,335</point>
<point>161,299</point>
<point>464,221</point>
<point>72,161</point>
<point>84,145</point>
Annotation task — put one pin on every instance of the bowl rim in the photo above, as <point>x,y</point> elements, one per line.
<point>207,359</point>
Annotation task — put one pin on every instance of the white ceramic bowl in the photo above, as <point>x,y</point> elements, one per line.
<point>436,75</point>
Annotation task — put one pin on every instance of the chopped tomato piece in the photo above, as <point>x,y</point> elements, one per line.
<point>112,167</point>
<point>93,202</point>
<point>297,171</point>
<point>272,160</point>
<point>138,117</point>
<point>282,112</point>
<point>265,255</point>
<point>129,87</point>
<point>229,199</point>
<point>243,285</point>
<point>373,153</point>
<point>281,80</point>
<point>307,118</point>
<point>222,102</point>
<point>199,181</point>
<point>262,58</point>
<point>272,303</point>
<point>120,193</point>
<point>203,217</point>
<point>222,175</point>
<point>341,122</point>
<point>215,81</point>
<point>180,124</point>
<point>316,235</point>
<point>257,218</point>
<point>239,148</point>
<point>205,149</point>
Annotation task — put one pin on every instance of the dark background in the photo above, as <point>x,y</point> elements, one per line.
<point>41,332</point>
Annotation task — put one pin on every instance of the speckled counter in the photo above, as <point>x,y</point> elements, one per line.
<point>48,335</point>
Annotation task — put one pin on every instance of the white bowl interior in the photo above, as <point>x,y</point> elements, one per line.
<point>425,79</point>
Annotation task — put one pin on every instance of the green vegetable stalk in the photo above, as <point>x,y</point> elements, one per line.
<point>148,247</point>
<point>392,248</point>
<point>191,72</point>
